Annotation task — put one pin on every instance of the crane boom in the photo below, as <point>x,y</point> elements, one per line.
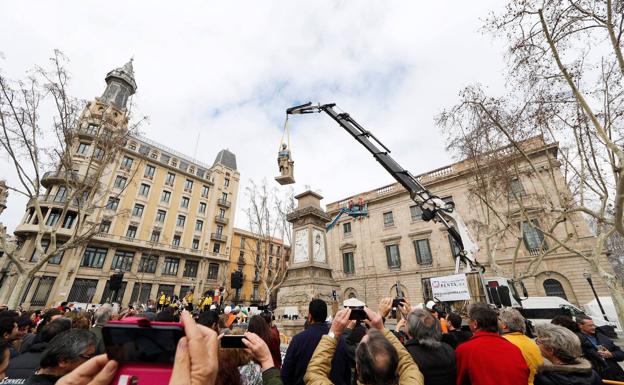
<point>433,207</point>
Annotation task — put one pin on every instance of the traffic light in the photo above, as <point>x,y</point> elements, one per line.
<point>237,280</point>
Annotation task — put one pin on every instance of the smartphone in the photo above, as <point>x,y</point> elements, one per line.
<point>397,301</point>
<point>145,351</point>
<point>232,342</point>
<point>357,314</point>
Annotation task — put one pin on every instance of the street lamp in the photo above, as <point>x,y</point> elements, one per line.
<point>591,284</point>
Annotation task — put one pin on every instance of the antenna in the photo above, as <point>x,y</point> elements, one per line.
<point>196,145</point>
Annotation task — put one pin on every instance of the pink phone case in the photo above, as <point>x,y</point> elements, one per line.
<point>142,374</point>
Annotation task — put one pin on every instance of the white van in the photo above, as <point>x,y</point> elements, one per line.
<point>541,310</point>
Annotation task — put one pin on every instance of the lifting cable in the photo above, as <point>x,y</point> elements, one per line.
<point>285,133</point>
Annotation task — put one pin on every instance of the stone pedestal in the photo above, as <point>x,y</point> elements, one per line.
<point>309,275</point>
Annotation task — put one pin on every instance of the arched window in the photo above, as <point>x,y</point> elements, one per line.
<point>554,288</point>
<point>350,293</point>
<point>402,292</point>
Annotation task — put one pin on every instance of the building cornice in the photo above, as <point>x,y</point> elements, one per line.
<point>533,147</point>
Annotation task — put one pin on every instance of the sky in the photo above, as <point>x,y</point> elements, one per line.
<point>214,75</point>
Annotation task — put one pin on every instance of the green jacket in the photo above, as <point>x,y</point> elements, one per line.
<point>320,364</point>
<point>271,377</point>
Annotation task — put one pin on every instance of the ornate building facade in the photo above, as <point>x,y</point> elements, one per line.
<point>393,244</point>
<point>166,223</point>
<point>259,260</point>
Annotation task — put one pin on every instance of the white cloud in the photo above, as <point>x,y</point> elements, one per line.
<point>226,71</point>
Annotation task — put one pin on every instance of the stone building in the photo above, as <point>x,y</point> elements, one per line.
<point>393,244</point>
<point>167,223</point>
<point>247,254</point>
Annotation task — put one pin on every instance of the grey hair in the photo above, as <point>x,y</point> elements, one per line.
<point>514,320</point>
<point>67,346</point>
<point>103,314</point>
<point>565,344</point>
<point>424,328</point>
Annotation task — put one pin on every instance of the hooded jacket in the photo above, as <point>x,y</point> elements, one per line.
<point>575,374</point>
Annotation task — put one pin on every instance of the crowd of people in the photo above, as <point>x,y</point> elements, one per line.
<point>425,346</point>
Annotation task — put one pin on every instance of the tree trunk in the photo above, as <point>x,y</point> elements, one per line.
<point>617,294</point>
<point>7,288</point>
<point>18,290</point>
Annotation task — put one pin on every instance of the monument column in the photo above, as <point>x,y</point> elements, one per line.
<point>309,275</point>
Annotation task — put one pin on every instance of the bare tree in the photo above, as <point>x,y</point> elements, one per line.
<point>565,81</point>
<point>45,149</point>
<point>267,221</point>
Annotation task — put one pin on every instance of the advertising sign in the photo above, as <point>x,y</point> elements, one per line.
<point>450,288</point>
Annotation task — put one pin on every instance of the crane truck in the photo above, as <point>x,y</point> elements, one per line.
<point>498,291</point>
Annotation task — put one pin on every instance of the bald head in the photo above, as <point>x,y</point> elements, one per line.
<point>377,360</point>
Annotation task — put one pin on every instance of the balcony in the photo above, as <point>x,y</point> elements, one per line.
<point>149,245</point>
<point>51,178</point>
<point>92,132</point>
<point>224,203</point>
<point>53,201</point>
<point>222,220</point>
<point>218,237</point>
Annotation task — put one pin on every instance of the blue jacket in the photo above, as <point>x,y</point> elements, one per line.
<point>300,352</point>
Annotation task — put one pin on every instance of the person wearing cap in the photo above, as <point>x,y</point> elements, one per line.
<point>434,308</point>
<point>231,317</point>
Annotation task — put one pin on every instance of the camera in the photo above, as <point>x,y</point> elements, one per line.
<point>144,350</point>
<point>358,314</point>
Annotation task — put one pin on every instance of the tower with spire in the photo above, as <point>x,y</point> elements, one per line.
<point>120,85</point>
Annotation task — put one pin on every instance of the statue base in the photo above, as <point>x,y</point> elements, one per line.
<point>302,285</point>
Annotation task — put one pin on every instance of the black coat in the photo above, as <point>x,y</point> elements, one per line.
<point>300,352</point>
<point>607,368</point>
<point>579,374</point>
<point>456,337</point>
<point>436,364</point>
<point>25,365</point>
<point>42,379</point>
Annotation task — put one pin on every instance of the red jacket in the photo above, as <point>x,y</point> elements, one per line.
<point>489,359</point>
<point>274,347</point>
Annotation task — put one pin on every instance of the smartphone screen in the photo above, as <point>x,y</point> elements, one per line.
<point>232,342</point>
<point>131,343</point>
<point>357,314</point>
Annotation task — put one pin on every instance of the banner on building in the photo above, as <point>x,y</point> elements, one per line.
<point>450,288</point>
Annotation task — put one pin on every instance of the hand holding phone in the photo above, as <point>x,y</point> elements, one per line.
<point>397,301</point>
<point>259,349</point>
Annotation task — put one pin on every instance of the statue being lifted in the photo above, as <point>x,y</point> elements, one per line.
<point>284,161</point>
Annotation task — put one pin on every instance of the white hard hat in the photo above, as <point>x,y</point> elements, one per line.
<point>430,305</point>
<point>353,302</point>
<point>213,307</point>
<point>228,309</point>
